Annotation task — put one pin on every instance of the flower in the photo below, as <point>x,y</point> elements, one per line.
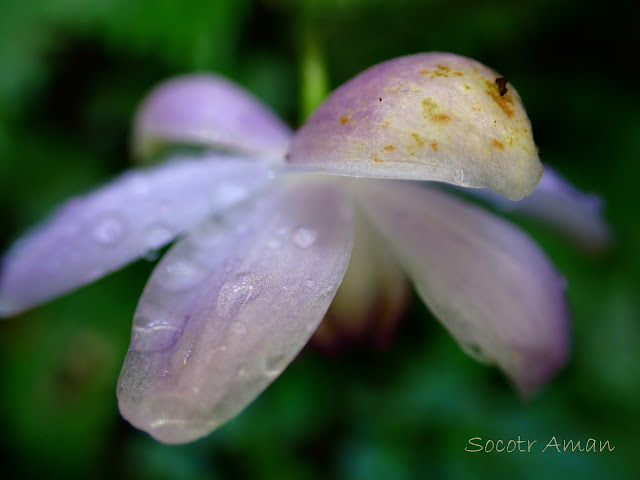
<point>270,217</point>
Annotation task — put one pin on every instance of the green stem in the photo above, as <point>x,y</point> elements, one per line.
<point>314,78</point>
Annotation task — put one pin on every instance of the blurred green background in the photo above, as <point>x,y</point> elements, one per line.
<point>71,74</point>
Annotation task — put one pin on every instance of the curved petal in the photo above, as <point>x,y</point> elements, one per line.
<point>92,235</point>
<point>231,305</point>
<point>209,110</point>
<point>431,116</point>
<point>372,296</point>
<point>555,202</point>
<point>486,281</point>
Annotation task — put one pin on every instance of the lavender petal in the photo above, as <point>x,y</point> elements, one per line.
<point>97,233</point>
<point>231,305</point>
<point>485,280</point>
<point>208,110</point>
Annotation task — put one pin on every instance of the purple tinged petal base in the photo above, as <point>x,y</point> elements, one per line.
<point>231,305</point>
<point>485,280</point>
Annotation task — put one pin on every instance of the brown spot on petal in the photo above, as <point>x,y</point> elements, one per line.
<point>344,120</point>
<point>441,118</point>
<point>497,143</point>
<point>376,158</point>
<point>443,67</point>
<point>458,74</point>
<point>389,148</point>
<point>385,124</point>
<point>434,145</point>
<point>417,139</point>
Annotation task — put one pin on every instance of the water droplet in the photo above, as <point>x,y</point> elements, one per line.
<point>157,235</point>
<point>108,230</point>
<point>181,275</point>
<point>309,283</point>
<point>304,237</point>
<point>154,335</point>
<point>185,357</point>
<point>239,328</point>
<point>237,292</point>
<point>459,175</point>
<point>275,364</point>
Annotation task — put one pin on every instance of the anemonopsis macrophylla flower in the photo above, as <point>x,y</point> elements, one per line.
<point>264,222</point>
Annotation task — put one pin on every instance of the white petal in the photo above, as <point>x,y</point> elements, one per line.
<point>486,281</point>
<point>99,232</point>
<point>231,305</point>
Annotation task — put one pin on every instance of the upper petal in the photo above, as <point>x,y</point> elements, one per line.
<point>209,110</point>
<point>575,214</point>
<point>486,281</point>
<point>92,235</point>
<point>431,116</point>
<point>231,305</point>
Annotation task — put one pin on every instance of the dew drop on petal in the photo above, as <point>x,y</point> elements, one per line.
<point>274,365</point>
<point>305,237</point>
<point>108,230</point>
<point>237,292</point>
<point>181,276</point>
<point>157,235</point>
<point>154,336</point>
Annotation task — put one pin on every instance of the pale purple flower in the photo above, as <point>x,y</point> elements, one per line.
<point>270,228</point>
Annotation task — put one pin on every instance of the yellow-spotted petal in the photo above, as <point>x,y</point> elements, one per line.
<point>431,116</point>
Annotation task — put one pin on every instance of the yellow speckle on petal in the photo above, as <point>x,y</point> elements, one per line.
<point>497,143</point>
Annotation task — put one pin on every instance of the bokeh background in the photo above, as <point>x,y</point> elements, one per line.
<point>71,75</point>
